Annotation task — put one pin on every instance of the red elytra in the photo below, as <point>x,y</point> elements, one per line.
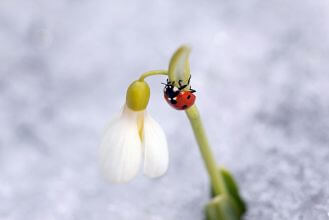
<point>184,99</point>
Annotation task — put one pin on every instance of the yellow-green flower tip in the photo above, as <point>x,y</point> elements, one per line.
<point>138,95</point>
<point>179,67</point>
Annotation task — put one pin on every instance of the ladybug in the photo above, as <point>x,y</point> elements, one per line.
<point>177,97</point>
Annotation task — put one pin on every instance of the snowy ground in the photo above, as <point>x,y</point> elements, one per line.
<point>261,71</point>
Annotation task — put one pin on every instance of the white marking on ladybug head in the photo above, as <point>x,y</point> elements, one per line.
<point>175,89</point>
<point>174,98</point>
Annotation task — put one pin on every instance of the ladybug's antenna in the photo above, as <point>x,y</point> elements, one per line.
<point>189,80</point>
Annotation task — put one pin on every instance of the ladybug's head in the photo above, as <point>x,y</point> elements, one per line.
<point>168,85</point>
<point>170,89</point>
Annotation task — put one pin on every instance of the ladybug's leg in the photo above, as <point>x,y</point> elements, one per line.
<point>192,90</point>
<point>189,79</point>
<point>180,85</point>
<point>180,82</point>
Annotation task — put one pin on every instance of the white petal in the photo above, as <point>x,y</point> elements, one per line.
<point>156,156</point>
<point>121,148</point>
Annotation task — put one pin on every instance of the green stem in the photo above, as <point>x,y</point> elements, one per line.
<point>209,160</point>
<point>151,73</point>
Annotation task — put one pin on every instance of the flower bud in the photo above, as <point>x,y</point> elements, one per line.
<point>138,95</point>
<point>179,67</point>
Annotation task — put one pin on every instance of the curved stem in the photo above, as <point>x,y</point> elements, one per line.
<point>216,179</point>
<point>151,73</point>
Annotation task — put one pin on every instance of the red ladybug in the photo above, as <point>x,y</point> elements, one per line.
<point>177,97</point>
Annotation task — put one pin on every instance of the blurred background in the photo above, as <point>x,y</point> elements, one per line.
<point>260,69</point>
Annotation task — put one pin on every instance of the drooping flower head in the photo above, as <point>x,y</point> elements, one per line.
<point>133,137</point>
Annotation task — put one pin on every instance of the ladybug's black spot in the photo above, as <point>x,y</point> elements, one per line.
<point>184,107</point>
<point>189,96</point>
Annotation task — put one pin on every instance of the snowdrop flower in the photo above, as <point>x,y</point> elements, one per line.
<point>132,136</point>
